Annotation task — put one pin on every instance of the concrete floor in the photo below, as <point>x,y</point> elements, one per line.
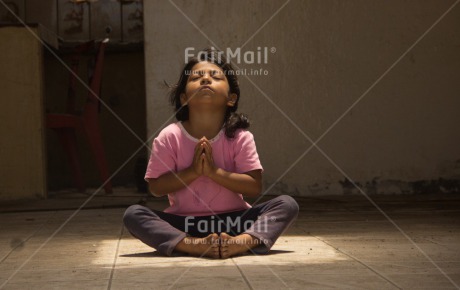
<point>337,242</point>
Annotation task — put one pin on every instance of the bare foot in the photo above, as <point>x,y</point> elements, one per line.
<point>200,247</point>
<point>231,246</point>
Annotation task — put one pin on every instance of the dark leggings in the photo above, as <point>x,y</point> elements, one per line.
<point>163,231</point>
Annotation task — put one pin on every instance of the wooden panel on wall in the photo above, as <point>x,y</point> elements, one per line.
<point>23,169</point>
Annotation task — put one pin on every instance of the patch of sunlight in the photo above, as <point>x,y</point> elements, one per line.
<point>288,250</point>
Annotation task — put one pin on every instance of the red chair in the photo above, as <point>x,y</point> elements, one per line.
<point>66,125</point>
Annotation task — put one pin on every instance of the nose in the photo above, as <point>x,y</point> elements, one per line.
<point>205,79</point>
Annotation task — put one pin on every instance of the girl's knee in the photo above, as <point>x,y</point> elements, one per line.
<point>289,204</point>
<point>131,214</point>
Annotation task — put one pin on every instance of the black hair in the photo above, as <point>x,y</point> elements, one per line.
<point>232,120</point>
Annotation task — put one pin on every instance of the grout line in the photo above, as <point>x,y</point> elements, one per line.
<point>242,274</point>
<point>114,264</point>
<point>27,239</point>
<point>53,234</point>
<point>266,266</point>
<point>188,268</point>
<point>359,261</point>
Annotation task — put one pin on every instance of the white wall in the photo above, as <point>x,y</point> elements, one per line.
<point>328,53</point>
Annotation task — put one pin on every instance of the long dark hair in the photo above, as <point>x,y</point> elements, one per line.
<point>232,120</point>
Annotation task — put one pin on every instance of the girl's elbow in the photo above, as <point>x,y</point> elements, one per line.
<point>153,188</point>
<point>255,192</point>
<point>259,188</point>
<point>152,192</point>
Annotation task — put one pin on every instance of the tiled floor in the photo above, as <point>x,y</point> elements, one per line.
<point>337,242</point>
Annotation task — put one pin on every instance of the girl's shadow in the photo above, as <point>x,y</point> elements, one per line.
<point>157,254</point>
<point>144,255</point>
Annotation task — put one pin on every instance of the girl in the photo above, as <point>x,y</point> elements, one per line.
<point>206,162</point>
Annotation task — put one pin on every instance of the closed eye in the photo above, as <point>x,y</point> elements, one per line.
<point>215,74</point>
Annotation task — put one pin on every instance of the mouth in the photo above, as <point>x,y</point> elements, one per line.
<point>206,88</point>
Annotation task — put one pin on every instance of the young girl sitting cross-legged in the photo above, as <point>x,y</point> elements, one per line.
<point>206,163</point>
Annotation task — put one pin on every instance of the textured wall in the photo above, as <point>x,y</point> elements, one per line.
<point>399,136</point>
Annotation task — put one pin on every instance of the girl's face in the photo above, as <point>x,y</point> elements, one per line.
<point>207,84</point>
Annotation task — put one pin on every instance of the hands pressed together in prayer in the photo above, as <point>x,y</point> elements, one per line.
<point>203,162</point>
<point>248,183</point>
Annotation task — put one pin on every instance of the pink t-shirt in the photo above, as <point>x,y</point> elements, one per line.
<point>173,149</point>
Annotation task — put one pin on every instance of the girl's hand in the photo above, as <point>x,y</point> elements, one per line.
<point>197,164</point>
<point>208,161</point>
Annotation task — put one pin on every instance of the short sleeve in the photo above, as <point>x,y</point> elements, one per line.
<point>162,160</point>
<point>246,157</point>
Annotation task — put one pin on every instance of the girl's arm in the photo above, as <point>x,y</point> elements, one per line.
<point>173,181</point>
<point>248,184</point>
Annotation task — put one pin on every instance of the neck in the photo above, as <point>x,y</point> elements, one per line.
<point>207,125</point>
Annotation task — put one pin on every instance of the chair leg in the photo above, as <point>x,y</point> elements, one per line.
<point>95,141</point>
<point>68,140</point>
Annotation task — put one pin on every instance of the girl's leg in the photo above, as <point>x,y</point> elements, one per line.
<point>165,232</point>
<point>147,226</point>
<point>274,217</point>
